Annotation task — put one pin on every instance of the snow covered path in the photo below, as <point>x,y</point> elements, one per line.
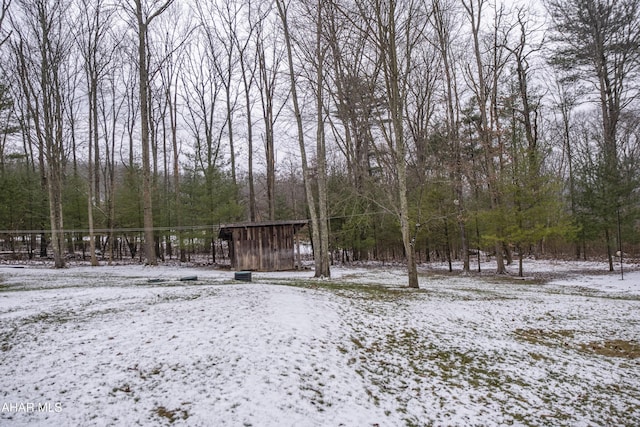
<point>105,347</point>
<point>215,355</point>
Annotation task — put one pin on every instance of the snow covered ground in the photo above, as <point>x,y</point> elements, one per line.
<point>104,346</point>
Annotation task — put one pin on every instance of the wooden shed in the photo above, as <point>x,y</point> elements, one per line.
<point>263,246</point>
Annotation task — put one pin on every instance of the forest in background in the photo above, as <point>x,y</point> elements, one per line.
<point>406,130</point>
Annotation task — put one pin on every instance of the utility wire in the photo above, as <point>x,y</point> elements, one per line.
<point>116,230</point>
<point>172,228</point>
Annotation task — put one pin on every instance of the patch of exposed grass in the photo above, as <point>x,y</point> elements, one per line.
<point>613,348</point>
<point>146,374</point>
<point>538,357</point>
<point>315,393</point>
<point>565,338</point>
<point>587,292</point>
<point>171,415</point>
<point>385,360</point>
<point>513,280</point>
<point>460,368</point>
<point>389,362</point>
<point>356,291</point>
<point>6,339</point>
<point>177,297</point>
<point>357,342</point>
<point>479,294</point>
<point>51,317</point>
<point>549,338</point>
<point>125,388</point>
<point>490,277</point>
<point>60,316</point>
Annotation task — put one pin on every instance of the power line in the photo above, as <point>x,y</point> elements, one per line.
<point>172,228</point>
<point>116,230</point>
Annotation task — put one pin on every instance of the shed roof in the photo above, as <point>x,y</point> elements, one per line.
<point>225,229</point>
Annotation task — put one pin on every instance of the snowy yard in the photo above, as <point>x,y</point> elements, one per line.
<point>105,346</point>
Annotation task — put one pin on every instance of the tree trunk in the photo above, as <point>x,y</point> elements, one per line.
<point>93,142</point>
<point>55,209</point>
<point>176,185</point>
<point>321,152</point>
<point>143,81</point>
<point>40,79</point>
<point>143,74</point>
<point>267,83</point>
<point>395,82</point>
<point>247,81</point>
<point>311,203</point>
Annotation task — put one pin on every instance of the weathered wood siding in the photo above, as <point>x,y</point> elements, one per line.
<point>263,248</point>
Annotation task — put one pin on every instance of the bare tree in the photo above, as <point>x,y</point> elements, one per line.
<point>352,85</point>
<point>248,61</point>
<point>526,114</point>
<point>220,27</point>
<point>144,16</point>
<point>320,258</point>
<point>483,82</point>
<point>111,104</point>
<point>523,53</point>
<point>443,20</point>
<point>394,29</point>
<point>170,63</point>
<point>268,61</point>
<point>321,149</point>
<point>41,47</point>
<point>91,38</point>
<point>4,8</point>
